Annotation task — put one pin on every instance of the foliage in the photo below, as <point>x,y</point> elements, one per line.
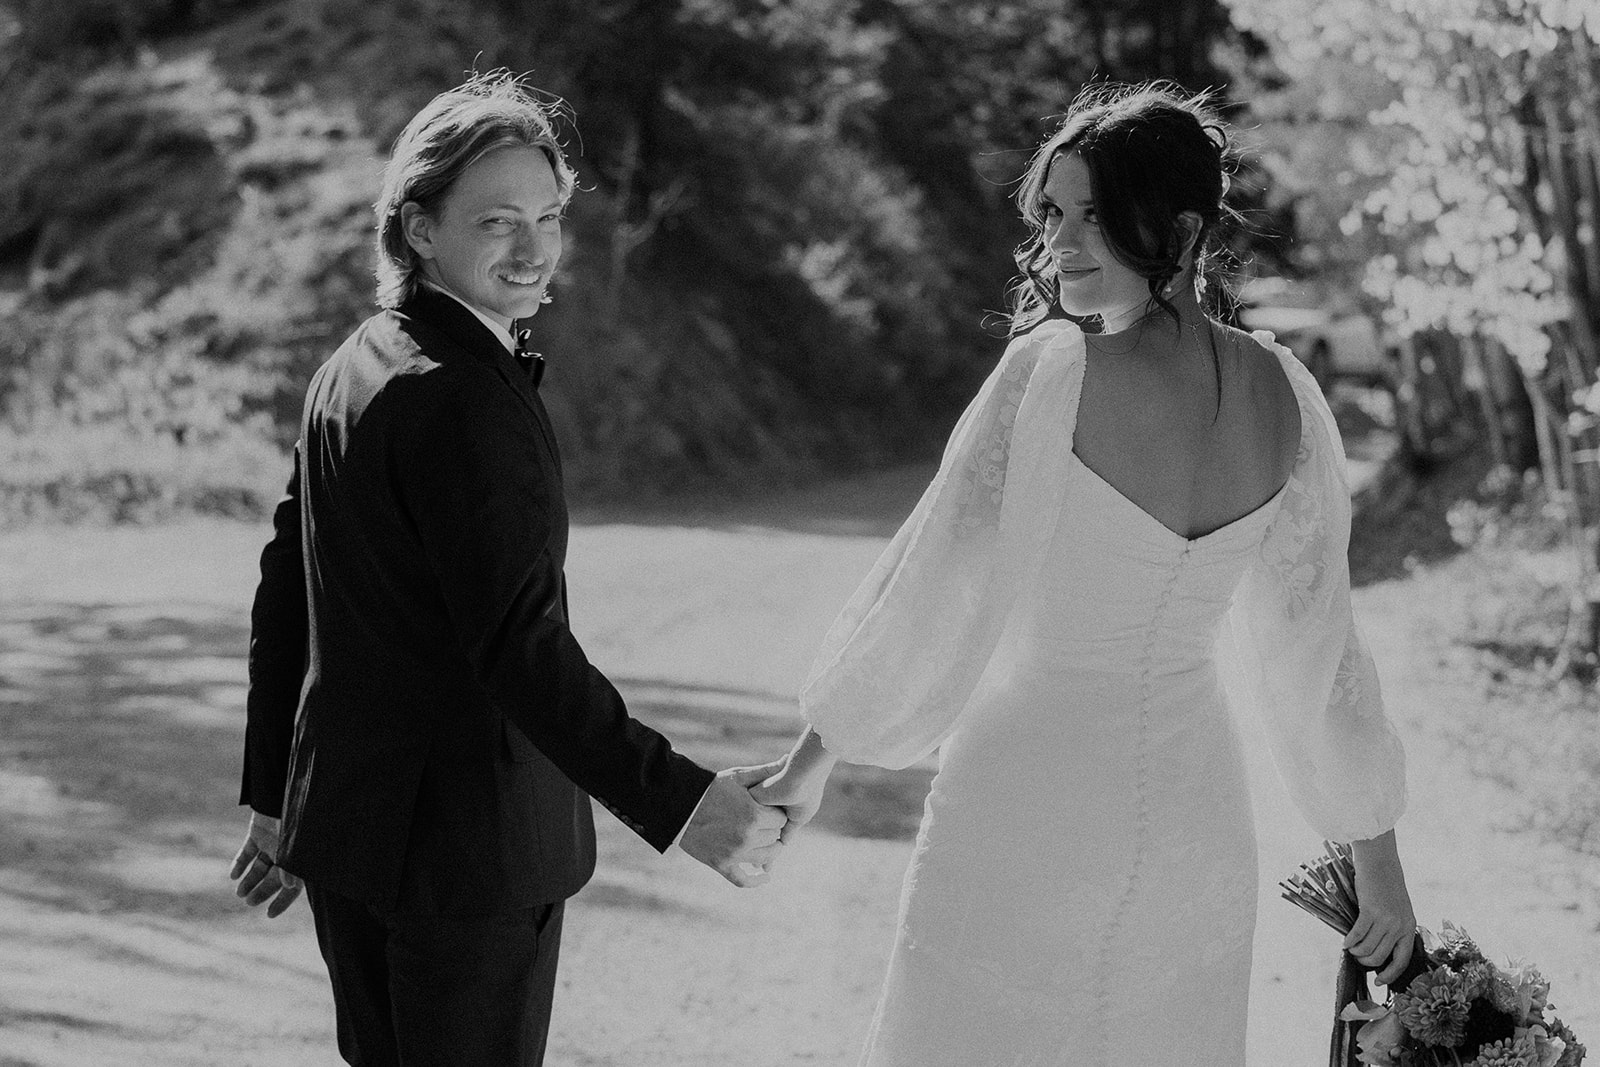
<point>1474,176</point>
<point>130,428</point>
<point>794,215</point>
<point>1535,731</point>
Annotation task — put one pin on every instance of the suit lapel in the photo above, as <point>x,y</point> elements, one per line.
<point>465,331</point>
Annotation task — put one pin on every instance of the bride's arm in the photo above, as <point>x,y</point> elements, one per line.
<point>1386,924</point>
<point>798,787</point>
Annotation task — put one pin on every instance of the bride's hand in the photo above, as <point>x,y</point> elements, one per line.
<point>797,793</point>
<point>1386,927</point>
<point>797,788</point>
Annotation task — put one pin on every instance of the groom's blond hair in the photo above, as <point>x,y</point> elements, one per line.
<point>455,130</point>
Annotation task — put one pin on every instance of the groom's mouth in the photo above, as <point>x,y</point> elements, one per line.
<point>524,279</point>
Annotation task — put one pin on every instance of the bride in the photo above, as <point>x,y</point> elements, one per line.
<point>1124,521</point>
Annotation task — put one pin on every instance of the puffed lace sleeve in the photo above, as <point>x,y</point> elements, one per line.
<point>1300,658</point>
<point>902,659</point>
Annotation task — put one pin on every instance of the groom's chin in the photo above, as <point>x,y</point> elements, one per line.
<point>521,305</point>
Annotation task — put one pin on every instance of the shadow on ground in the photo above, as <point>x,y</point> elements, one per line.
<point>120,739</point>
<point>120,754</point>
<point>870,504</point>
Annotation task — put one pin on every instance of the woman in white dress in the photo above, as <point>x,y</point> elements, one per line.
<point>1124,520</point>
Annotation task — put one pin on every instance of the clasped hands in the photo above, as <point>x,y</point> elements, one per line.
<point>746,817</point>
<point>742,823</point>
<point>749,813</point>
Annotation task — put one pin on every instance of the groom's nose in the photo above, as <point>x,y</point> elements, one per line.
<point>532,246</point>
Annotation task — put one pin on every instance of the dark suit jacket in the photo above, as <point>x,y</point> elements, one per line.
<point>419,712</point>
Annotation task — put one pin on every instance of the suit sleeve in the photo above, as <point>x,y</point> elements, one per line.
<point>469,478</point>
<point>277,664</point>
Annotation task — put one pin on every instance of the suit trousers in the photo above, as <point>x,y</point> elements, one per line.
<point>424,990</point>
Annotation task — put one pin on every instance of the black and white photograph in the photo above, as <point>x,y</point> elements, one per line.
<point>843,533</point>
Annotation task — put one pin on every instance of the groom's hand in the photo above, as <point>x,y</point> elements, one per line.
<point>731,833</point>
<point>255,867</point>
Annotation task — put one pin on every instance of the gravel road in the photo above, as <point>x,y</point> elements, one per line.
<point>121,670</point>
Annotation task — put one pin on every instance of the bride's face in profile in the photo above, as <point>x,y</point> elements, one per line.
<point>1091,279</point>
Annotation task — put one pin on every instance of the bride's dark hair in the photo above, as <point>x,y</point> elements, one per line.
<point>1153,152</point>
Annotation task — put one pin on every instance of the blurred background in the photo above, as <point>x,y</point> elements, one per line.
<point>785,274</point>
<point>791,252</point>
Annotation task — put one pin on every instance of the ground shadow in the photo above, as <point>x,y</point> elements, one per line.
<point>119,767</point>
<point>121,730</point>
<point>869,504</point>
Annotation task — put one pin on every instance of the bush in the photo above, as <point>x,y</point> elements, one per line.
<point>113,421</point>
<point>106,473</point>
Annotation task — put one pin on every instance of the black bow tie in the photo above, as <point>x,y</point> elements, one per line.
<point>532,363</point>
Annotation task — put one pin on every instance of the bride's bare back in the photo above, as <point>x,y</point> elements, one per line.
<point>1150,425</point>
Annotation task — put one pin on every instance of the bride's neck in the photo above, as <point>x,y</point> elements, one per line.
<point>1183,301</point>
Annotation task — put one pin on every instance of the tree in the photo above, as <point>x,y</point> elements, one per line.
<point>1478,198</point>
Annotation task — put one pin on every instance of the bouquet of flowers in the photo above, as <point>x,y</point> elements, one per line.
<point>1451,1008</point>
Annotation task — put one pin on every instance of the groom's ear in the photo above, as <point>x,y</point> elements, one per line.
<point>417,226</point>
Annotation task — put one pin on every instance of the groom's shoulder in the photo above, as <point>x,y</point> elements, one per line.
<point>396,340</point>
<point>412,372</point>
<point>391,345</point>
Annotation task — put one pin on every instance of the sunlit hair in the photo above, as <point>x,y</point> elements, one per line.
<point>1153,151</point>
<point>455,130</point>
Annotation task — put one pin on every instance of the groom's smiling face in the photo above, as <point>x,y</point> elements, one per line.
<point>496,237</point>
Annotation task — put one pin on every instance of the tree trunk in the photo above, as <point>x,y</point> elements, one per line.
<point>1579,287</point>
<point>1477,380</point>
<point>1548,434</point>
<point>1514,409</point>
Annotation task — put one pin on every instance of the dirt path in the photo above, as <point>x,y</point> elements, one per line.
<point>120,716</point>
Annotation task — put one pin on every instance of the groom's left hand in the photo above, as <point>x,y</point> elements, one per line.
<point>256,869</point>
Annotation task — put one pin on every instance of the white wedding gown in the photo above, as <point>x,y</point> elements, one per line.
<point>1083,890</point>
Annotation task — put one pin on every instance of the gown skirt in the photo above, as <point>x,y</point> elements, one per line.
<point>1083,889</point>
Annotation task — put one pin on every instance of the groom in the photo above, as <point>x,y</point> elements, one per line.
<point>420,718</point>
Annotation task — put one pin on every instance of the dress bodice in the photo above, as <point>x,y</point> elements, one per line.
<point>1117,586</point>
<point>1016,546</point>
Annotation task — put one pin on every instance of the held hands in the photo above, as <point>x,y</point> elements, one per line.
<point>260,878</point>
<point>1386,927</point>
<point>733,834</point>
<point>749,813</point>
<point>796,792</point>
<point>797,787</point>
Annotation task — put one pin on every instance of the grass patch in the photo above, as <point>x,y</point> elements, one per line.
<point>1536,733</point>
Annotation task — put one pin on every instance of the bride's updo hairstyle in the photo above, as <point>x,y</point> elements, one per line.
<point>1153,152</point>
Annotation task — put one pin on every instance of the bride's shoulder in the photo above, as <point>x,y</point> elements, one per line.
<point>1263,353</point>
<point>1272,377</point>
<point>1265,363</point>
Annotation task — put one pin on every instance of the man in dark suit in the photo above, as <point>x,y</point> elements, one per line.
<point>424,732</point>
